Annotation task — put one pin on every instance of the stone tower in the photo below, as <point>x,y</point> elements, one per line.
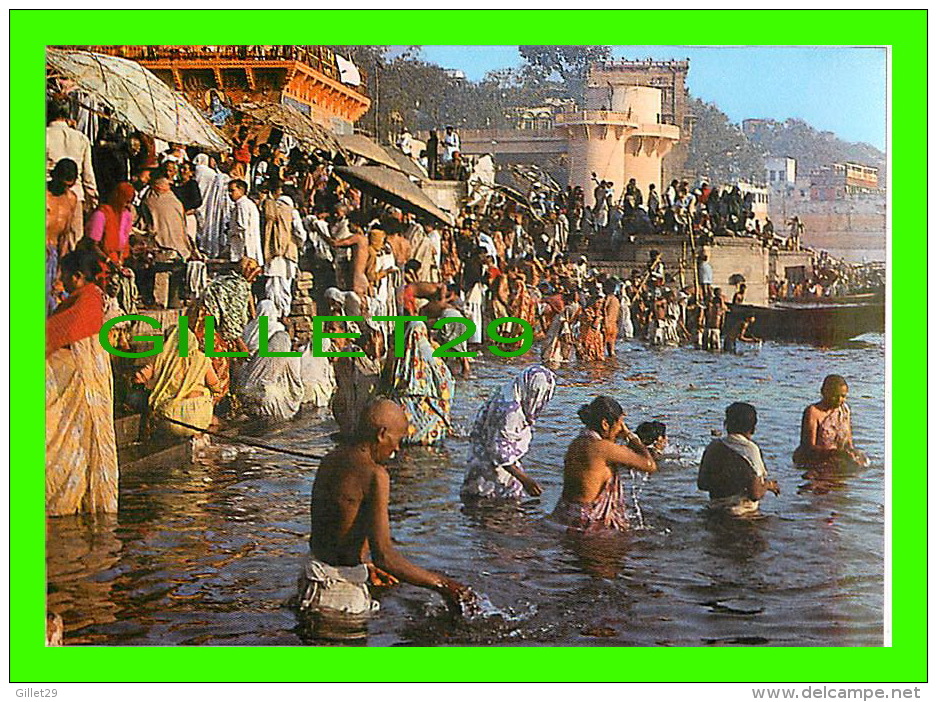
<point>669,77</point>
<point>622,134</point>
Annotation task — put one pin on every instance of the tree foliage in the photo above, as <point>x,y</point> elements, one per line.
<point>719,151</point>
<point>811,147</point>
<point>568,65</point>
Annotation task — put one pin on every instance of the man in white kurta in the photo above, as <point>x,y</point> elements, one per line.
<point>244,228</point>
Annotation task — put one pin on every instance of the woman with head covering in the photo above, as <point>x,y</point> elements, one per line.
<point>81,450</point>
<point>423,386</point>
<point>271,388</point>
<point>181,387</point>
<point>318,375</point>
<point>216,206</point>
<point>227,299</point>
<point>593,495</point>
<point>501,437</point>
<point>251,336</point>
<point>109,225</point>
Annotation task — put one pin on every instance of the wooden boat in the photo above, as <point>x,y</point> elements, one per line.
<point>818,323</point>
<point>135,456</point>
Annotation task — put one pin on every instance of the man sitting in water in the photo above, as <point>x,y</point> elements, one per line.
<point>732,469</point>
<point>349,518</point>
<point>593,496</point>
<point>654,436</point>
<point>826,429</point>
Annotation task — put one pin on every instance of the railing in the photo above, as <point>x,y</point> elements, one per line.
<point>319,58</point>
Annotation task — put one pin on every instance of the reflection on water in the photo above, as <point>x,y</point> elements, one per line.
<point>209,553</point>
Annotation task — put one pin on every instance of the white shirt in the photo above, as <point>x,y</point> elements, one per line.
<point>244,232</point>
<point>64,142</point>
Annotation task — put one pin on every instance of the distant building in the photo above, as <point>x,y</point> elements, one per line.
<point>839,181</point>
<point>634,122</point>
<point>780,172</point>
<point>759,198</point>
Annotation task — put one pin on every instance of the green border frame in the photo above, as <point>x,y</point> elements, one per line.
<point>30,660</point>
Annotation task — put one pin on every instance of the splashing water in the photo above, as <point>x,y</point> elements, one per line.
<point>483,609</point>
<point>634,500</point>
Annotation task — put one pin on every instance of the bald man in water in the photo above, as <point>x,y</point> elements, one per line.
<point>349,519</point>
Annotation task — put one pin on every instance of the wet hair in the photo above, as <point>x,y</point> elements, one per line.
<point>63,171</point>
<point>741,418</point>
<point>649,432</point>
<point>56,110</point>
<point>601,408</point>
<point>833,381</point>
<point>80,261</point>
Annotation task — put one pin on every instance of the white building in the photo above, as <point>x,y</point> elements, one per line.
<point>780,171</point>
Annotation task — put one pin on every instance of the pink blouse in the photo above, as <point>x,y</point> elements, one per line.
<point>95,227</point>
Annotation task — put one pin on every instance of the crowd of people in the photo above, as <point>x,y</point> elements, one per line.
<point>254,244</point>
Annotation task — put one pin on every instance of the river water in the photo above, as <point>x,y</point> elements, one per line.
<point>208,554</point>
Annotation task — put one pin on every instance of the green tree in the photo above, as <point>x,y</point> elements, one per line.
<point>719,151</point>
<point>569,65</point>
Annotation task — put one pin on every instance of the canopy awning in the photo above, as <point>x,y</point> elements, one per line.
<point>394,188</point>
<point>407,164</point>
<point>361,145</point>
<point>136,96</point>
<point>291,121</point>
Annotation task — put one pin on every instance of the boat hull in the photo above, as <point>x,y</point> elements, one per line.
<point>817,324</point>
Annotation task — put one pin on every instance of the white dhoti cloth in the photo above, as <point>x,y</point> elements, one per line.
<point>337,597</point>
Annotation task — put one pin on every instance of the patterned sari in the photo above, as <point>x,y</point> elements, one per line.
<point>81,449</point>
<point>423,386</point>
<point>502,432</point>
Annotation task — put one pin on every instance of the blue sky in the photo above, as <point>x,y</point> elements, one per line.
<point>839,89</point>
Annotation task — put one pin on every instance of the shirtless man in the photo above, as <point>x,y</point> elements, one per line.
<point>826,429</point>
<point>660,305</point>
<point>715,318</point>
<point>359,258</point>
<point>349,521</point>
<point>60,204</point>
<point>740,331</point>
<point>593,496</point>
<point>413,288</point>
<point>400,246</point>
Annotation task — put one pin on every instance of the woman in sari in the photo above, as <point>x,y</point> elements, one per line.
<point>266,308</point>
<point>423,386</point>
<point>826,430</point>
<point>271,387</point>
<point>501,437</point>
<point>228,300</point>
<point>109,225</point>
<point>81,449</point>
<point>594,497</point>
<point>181,388</point>
<point>559,342</point>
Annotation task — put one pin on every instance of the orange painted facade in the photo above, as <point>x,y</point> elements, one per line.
<point>305,76</point>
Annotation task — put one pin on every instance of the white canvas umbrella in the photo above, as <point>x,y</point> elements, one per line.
<point>136,96</point>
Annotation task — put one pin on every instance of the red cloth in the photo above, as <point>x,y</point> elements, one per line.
<point>121,196</point>
<point>80,315</point>
<point>409,300</point>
